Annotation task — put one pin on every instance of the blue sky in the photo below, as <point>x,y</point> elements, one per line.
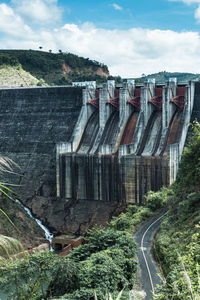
<point>124,14</point>
<point>131,36</point>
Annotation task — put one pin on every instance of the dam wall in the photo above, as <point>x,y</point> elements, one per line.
<point>84,154</point>
<point>141,134</point>
<point>32,122</point>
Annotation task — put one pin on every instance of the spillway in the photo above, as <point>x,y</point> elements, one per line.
<point>89,134</point>
<point>152,135</point>
<point>110,132</point>
<point>131,144</point>
<point>173,130</point>
<point>129,129</point>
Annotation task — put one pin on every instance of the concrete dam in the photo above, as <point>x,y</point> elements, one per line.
<point>85,153</point>
<point>126,141</point>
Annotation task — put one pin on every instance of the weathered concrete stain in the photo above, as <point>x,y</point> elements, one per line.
<point>127,172</point>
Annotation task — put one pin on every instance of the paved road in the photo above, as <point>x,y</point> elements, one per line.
<point>149,277</point>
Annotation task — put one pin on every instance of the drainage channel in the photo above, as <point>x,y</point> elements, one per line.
<point>48,234</point>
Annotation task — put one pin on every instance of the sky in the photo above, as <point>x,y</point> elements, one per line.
<point>132,37</point>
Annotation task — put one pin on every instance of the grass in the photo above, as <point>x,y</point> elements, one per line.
<point>16,77</point>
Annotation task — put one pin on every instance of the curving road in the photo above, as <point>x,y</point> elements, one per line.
<point>149,271</point>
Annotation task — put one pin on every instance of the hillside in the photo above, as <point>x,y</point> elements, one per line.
<point>30,67</point>
<point>26,230</point>
<point>51,68</point>
<point>178,243</point>
<point>165,76</point>
<point>16,76</point>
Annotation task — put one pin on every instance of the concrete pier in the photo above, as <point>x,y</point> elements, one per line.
<point>134,148</point>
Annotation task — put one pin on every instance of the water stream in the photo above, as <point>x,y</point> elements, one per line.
<point>48,234</point>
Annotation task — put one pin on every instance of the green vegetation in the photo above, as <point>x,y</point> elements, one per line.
<point>189,174</point>
<point>9,246</point>
<point>106,263</point>
<point>178,242</point>
<point>156,200</point>
<point>30,278</point>
<point>164,76</point>
<point>16,76</point>
<point>6,59</point>
<point>54,68</point>
<point>30,67</point>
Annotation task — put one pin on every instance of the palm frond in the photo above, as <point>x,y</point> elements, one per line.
<point>95,295</point>
<point>9,246</point>
<point>8,184</point>
<point>7,164</point>
<point>3,212</point>
<point>119,295</point>
<point>109,296</point>
<point>6,194</point>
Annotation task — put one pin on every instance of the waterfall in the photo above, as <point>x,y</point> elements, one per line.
<point>48,234</point>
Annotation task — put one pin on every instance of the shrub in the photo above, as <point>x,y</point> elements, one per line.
<point>6,59</point>
<point>128,265</point>
<point>84,294</point>
<point>189,168</point>
<point>122,222</point>
<point>155,200</point>
<point>100,271</point>
<point>41,82</point>
<point>38,276</point>
<point>101,239</point>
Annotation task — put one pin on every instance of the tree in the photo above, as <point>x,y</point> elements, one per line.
<point>189,169</point>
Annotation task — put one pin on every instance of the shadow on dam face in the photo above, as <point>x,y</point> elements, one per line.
<point>89,134</point>
<point>110,131</point>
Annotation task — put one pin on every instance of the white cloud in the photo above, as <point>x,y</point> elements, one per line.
<point>12,24</point>
<point>197,14</point>
<point>128,53</point>
<point>133,52</point>
<point>116,6</point>
<point>42,11</point>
